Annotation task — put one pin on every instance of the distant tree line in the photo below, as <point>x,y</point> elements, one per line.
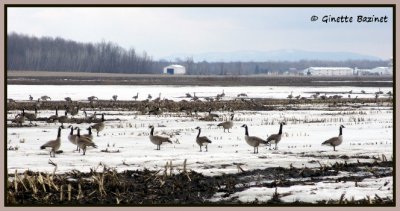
<point>57,54</point>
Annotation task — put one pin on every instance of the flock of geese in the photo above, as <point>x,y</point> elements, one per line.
<point>82,142</point>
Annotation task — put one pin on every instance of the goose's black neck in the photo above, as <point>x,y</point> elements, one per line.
<point>232,117</point>
<point>102,117</point>
<point>79,132</point>
<point>246,131</point>
<point>56,112</point>
<point>59,132</point>
<point>90,130</point>
<point>72,131</point>
<point>340,131</point>
<point>199,132</point>
<point>151,131</point>
<point>280,129</point>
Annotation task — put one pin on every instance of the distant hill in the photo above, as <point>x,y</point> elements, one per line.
<point>279,55</point>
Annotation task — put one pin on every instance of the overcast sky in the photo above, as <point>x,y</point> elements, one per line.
<point>165,31</point>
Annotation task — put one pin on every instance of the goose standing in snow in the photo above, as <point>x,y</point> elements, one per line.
<point>335,141</point>
<point>202,140</point>
<point>63,119</point>
<point>276,138</point>
<point>54,117</point>
<point>157,140</point>
<point>99,126</point>
<point>45,97</point>
<point>72,137</point>
<point>53,145</point>
<point>136,97</point>
<point>291,95</point>
<point>31,116</point>
<point>253,140</point>
<point>211,114</point>
<point>19,119</point>
<point>83,142</point>
<point>68,99</point>
<point>89,135</point>
<point>228,124</point>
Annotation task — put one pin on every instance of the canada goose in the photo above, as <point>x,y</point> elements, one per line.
<point>227,125</point>
<point>136,97</point>
<point>379,92</point>
<point>30,116</point>
<point>99,126</point>
<point>194,98</point>
<point>91,98</point>
<point>221,95</point>
<point>63,119</point>
<point>38,103</point>
<point>74,111</point>
<point>45,97</point>
<point>115,97</point>
<point>89,135</point>
<point>202,140</point>
<point>53,145</point>
<point>19,119</point>
<point>30,97</point>
<point>212,115</point>
<point>53,118</point>
<point>158,98</point>
<point>276,138</point>
<point>149,97</point>
<point>157,140</point>
<point>72,137</point>
<point>156,111</point>
<point>90,118</point>
<point>83,142</point>
<point>291,95</point>
<point>68,99</point>
<point>253,140</point>
<point>335,141</point>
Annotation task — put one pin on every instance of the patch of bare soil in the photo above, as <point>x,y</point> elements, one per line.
<point>179,186</point>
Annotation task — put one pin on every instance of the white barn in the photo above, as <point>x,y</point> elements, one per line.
<point>174,69</point>
<point>375,71</point>
<point>382,71</point>
<point>328,71</point>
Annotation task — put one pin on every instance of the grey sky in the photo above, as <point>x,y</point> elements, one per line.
<point>165,31</point>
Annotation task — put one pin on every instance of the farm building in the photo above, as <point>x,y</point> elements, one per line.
<point>174,69</point>
<point>375,71</point>
<point>328,71</point>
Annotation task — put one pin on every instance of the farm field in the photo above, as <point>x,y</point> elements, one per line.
<point>361,167</point>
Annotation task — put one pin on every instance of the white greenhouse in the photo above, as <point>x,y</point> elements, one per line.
<point>328,71</point>
<point>174,69</point>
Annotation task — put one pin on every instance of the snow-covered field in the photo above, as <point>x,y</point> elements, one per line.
<point>177,93</point>
<point>125,144</point>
